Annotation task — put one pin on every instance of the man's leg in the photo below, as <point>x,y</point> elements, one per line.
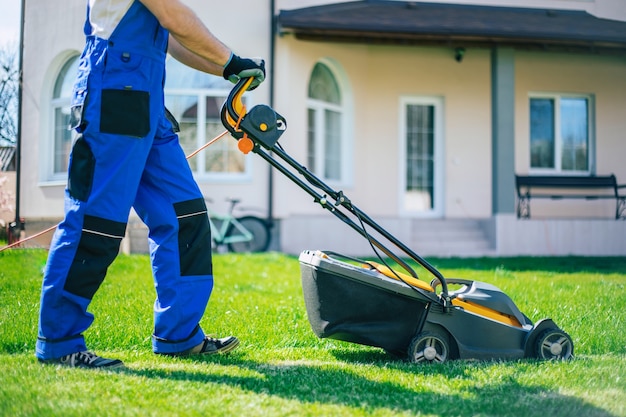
<point>172,206</point>
<point>101,189</point>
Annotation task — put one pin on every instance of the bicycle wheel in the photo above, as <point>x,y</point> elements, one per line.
<point>260,235</point>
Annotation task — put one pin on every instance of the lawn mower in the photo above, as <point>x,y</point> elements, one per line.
<point>373,304</point>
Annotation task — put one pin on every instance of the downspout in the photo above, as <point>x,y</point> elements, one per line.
<point>18,226</point>
<point>272,59</point>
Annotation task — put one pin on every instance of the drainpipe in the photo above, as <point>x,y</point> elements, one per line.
<point>17,227</point>
<point>272,59</point>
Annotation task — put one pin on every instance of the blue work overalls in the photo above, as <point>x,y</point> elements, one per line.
<point>126,155</point>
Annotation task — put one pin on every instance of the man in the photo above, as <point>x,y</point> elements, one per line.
<point>127,155</point>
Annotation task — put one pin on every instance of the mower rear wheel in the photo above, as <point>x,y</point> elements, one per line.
<point>554,344</point>
<point>429,347</point>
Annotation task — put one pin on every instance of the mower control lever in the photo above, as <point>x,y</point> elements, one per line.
<point>261,124</point>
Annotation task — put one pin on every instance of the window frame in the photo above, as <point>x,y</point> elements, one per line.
<point>438,104</point>
<point>201,94</point>
<point>345,110</point>
<point>558,140</point>
<point>181,87</point>
<point>48,176</point>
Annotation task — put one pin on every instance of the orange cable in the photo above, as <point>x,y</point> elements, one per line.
<point>19,242</point>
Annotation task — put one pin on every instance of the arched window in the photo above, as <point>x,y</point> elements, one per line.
<point>195,99</point>
<point>327,144</point>
<point>61,97</point>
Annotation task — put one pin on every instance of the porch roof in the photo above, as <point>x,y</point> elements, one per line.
<point>415,23</point>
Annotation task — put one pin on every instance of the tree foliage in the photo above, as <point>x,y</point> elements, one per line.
<point>9,85</point>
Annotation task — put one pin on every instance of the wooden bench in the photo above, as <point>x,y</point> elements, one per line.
<point>559,187</point>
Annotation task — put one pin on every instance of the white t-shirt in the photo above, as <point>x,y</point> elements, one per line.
<point>104,15</point>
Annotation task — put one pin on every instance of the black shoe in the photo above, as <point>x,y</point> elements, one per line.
<point>85,359</point>
<point>210,346</point>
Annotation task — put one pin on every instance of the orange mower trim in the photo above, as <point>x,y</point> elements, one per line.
<point>238,106</point>
<point>465,305</point>
<point>414,282</point>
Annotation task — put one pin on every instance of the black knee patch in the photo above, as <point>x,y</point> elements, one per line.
<point>99,245</point>
<point>194,238</point>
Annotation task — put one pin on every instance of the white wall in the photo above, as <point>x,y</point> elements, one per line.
<point>559,237</point>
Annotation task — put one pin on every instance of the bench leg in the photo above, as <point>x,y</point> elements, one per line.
<point>620,211</point>
<point>523,208</point>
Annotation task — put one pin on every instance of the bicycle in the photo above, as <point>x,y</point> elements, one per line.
<point>239,234</point>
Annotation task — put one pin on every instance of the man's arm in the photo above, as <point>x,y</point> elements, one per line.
<point>191,34</point>
<point>194,45</point>
<point>184,55</point>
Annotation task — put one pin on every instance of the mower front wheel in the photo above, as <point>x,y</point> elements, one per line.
<point>554,344</point>
<point>429,347</point>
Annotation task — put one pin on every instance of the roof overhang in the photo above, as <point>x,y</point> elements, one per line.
<point>416,23</point>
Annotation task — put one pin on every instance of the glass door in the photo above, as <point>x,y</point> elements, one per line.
<point>421,167</point>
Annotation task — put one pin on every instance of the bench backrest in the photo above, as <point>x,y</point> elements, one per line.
<point>565,181</point>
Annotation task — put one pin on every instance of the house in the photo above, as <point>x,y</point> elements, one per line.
<point>422,113</point>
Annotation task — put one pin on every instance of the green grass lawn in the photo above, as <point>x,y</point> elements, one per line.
<point>282,369</point>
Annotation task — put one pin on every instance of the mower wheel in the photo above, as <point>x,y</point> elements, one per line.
<point>429,347</point>
<point>554,344</point>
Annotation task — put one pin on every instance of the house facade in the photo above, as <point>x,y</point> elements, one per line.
<point>421,113</point>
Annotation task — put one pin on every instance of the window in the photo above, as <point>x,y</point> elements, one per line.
<point>560,133</point>
<point>327,143</point>
<point>61,98</point>
<point>195,99</point>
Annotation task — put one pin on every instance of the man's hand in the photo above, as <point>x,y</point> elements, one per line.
<point>238,68</point>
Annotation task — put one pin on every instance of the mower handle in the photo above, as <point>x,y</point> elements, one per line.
<point>233,112</point>
<point>233,109</point>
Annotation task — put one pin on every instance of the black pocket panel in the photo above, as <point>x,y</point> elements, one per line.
<point>125,112</point>
<point>194,238</point>
<point>98,247</point>
<point>80,175</point>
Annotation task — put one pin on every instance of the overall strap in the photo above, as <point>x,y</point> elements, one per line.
<point>87,28</point>
<point>139,30</point>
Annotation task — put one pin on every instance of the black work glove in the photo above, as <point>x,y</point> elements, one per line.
<point>238,68</point>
